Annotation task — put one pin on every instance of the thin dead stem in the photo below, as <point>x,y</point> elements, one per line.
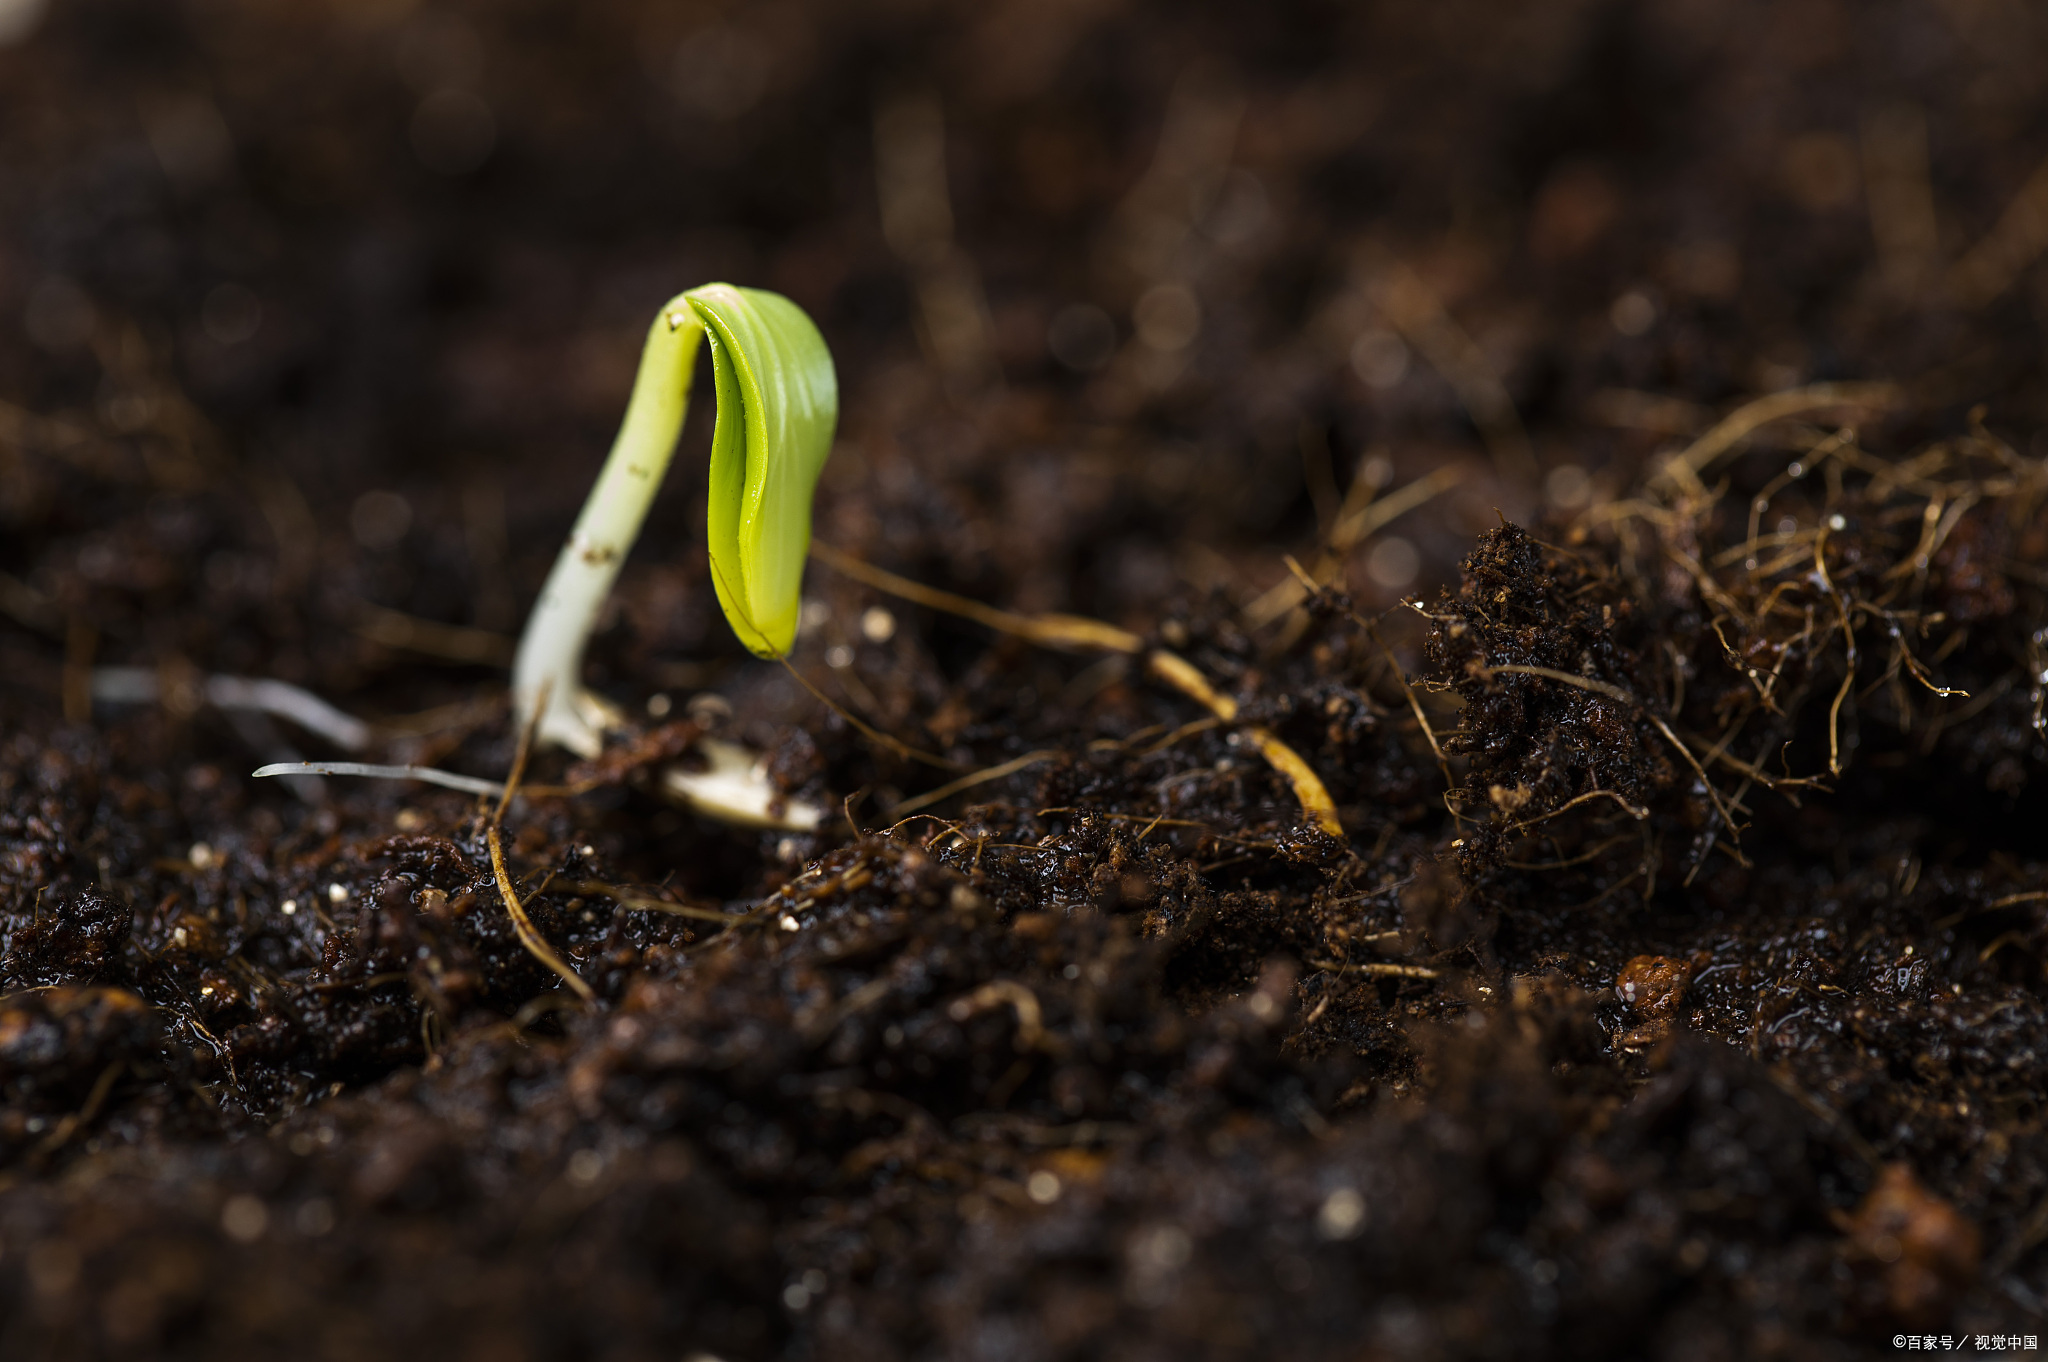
<point>1820,568</point>
<point>529,936</point>
<point>968,782</point>
<point>1079,633</point>
<point>866,729</point>
<point>1683,470</point>
<point>1633,812</point>
<point>1617,693</point>
<point>1414,705</point>
<point>1379,969</point>
<point>522,926</point>
<point>1072,633</point>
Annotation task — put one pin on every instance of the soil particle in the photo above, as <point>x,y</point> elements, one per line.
<point>1653,985</point>
<point>1916,1245</point>
<point>79,941</point>
<point>1535,743</point>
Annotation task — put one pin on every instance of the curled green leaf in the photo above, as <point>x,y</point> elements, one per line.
<point>778,402</point>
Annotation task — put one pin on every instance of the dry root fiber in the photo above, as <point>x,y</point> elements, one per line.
<point>1634,689</point>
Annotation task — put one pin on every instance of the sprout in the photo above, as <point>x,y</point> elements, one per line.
<point>778,402</point>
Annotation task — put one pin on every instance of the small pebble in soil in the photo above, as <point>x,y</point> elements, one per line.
<point>1653,985</point>
<point>1921,1249</point>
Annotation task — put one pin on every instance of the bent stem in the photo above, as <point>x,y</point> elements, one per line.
<point>549,665</point>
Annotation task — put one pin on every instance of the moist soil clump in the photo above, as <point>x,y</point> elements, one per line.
<point>1603,443</point>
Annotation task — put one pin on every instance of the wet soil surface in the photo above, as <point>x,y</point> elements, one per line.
<point>1676,988</point>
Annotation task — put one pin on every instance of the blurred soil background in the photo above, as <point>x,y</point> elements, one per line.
<point>1676,990</point>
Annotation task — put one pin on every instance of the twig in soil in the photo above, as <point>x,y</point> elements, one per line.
<point>529,936</point>
<point>2000,942</point>
<point>1750,771</point>
<point>1309,789</point>
<point>1071,633</point>
<point>1633,812</point>
<point>1721,805</point>
<point>433,1031</point>
<point>1683,469</point>
<point>1379,969</point>
<point>142,685</point>
<point>522,925</point>
<point>2009,901</point>
<point>520,755</point>
<point>1617,693</point>
<point>1316,1013</point>
<point>1150,821</point>
<point>868,730</point>
<point>1080,633</point>
<point>367,981</point>
<point>1353,526</point>
<point>1820,569</point>
<point>1357,525</point>
<point>968,782</point>
<point>1413,704</point>
<point>1912,664</point>
<point>1185,731</point>
<point>1582,682</point>
<point>948,827</point>
<point>819,1028</point>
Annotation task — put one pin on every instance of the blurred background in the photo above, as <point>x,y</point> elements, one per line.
<point>316,317</point>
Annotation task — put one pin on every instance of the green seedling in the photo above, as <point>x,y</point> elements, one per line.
<point>778,402</point>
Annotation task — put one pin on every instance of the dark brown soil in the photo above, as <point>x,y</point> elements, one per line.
<point>1679,988</point>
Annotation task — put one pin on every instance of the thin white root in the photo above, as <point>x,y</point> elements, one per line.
<point>425,774</point>
<point>140,686</point>
<point>735,789</point>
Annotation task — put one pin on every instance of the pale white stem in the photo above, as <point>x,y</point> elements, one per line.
<point>550,659</point>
